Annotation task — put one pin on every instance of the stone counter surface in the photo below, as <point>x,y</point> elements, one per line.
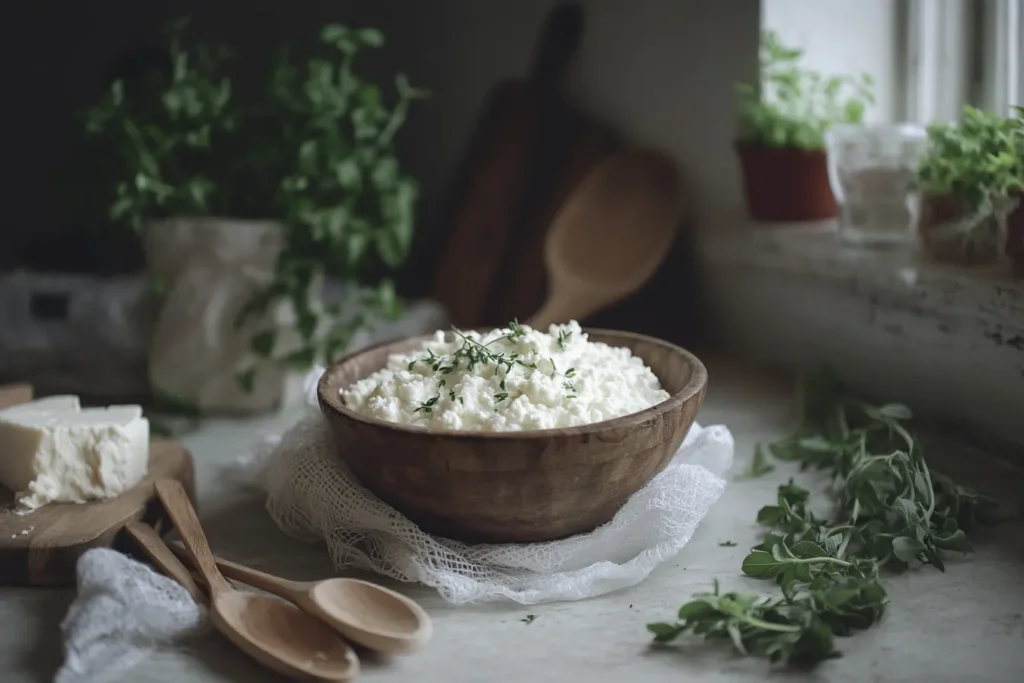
<point>963,625</point>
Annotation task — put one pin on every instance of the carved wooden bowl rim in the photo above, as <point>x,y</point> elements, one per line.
<point>328,392</point>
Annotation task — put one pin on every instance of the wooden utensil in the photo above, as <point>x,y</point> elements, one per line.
<point>576,145</point>
<point>515,487</point>
<point>271,631</point>
<point>497,172</point>
<point>149,540</point>
<point>375,617</point>
<point>611,236</point>
<point>42,548</point>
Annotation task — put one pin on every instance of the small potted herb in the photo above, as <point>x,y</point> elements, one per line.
<point>246,200</point>
<point>969,188</point>
<point>781,139</point>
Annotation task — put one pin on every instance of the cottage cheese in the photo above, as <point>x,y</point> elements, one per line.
<point>509,379</point>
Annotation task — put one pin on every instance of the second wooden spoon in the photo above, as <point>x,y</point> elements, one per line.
<point>271,631</point>
<point>375,617</point>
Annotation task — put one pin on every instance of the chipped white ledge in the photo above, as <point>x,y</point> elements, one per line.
<point>947,340</point>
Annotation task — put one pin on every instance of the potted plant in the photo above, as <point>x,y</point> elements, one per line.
<point>245,201</point>
<point>969,188</point>
<point>782,124</point>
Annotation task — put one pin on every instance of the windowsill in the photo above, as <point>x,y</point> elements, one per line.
<point>947,340</point>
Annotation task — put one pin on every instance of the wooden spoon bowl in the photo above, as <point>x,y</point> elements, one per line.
<point>515,487</point>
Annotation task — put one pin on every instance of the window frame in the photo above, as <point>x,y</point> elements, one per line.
<point>960,52</point>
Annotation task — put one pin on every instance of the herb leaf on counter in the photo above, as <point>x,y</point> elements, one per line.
<point>891,511</point>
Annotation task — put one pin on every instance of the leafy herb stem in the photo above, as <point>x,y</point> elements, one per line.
<point>892,511</point>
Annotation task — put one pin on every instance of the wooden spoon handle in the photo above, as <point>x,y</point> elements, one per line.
<point>155,548</point>
<point>272,584</point>
<point>183,516</point>
<point>560,309</point>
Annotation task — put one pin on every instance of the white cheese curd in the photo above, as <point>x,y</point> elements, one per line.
<point>509,379</point>
<point>53,450</point>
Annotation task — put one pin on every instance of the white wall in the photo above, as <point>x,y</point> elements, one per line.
<point>845,37</point>
<point>664,71</point>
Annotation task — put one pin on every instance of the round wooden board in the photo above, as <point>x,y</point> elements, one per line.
<point>42,548</point>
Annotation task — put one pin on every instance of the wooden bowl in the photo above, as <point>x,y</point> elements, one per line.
<point>515,487</point>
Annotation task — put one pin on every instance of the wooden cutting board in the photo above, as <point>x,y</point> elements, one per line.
<point>41,548</point>
<point>486,204</point>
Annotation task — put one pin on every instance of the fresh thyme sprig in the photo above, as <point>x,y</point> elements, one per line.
<point>892,512</point>
<point>563,338</point>
<point>473,353</point>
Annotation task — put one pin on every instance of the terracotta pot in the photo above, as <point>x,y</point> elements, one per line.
<point>786,184</point>
<point>937,214</point>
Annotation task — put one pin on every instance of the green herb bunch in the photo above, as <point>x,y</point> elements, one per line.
<point>891,512</point>
<point>794,106</point>
<point>979,159</point>
<point>311,148</point>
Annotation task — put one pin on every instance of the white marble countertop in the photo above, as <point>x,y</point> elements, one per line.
<point>963,625</point>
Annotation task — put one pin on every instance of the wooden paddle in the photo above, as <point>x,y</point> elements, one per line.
<point>496,176</point>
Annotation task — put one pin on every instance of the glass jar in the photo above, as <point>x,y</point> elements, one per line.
<point>870,168</point>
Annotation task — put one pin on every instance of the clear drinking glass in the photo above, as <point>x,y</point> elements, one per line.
<point>870,168</point>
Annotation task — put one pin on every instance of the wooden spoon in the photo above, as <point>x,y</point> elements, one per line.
<point>611,235</point>
<point>372,616</point>
<point>271,631</point>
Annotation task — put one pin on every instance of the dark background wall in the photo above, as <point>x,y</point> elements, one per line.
<point>661,71</point>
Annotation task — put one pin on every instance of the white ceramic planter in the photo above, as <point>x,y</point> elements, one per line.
<point>211,268</point>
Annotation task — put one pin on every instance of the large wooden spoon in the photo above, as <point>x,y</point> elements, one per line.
<point>611,236</point>
<point>375,617</point>
<point>273,632</point>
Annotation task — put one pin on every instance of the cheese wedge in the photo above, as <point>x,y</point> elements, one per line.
<point>53,450</point>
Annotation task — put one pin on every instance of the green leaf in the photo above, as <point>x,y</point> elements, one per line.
<point>664,632</point>
<point>759,464</point>
<point>263,343</point>
<point>759,564</point>
<point>769,516</point>
<point>697,609</point>
<point>957,542</point>
<point>808,549</point>
<point>896,411</point>
<point>907,549</point>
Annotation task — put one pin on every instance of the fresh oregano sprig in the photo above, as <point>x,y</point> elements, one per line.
<point>891,511</point>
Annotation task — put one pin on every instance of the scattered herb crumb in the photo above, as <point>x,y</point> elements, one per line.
<point>727,544</point>
<point>528,619</point>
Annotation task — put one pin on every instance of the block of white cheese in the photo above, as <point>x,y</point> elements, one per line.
<point>53,450</point>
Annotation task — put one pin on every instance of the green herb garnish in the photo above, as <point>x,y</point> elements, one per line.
<point>428,405</point>
<point>563,338</point>
<point>892,512</point>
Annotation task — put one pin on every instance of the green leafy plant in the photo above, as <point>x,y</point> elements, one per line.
<point>892,512</point>
<point>793,106</point>
<point>979,159</point>
<point>312,148</point>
